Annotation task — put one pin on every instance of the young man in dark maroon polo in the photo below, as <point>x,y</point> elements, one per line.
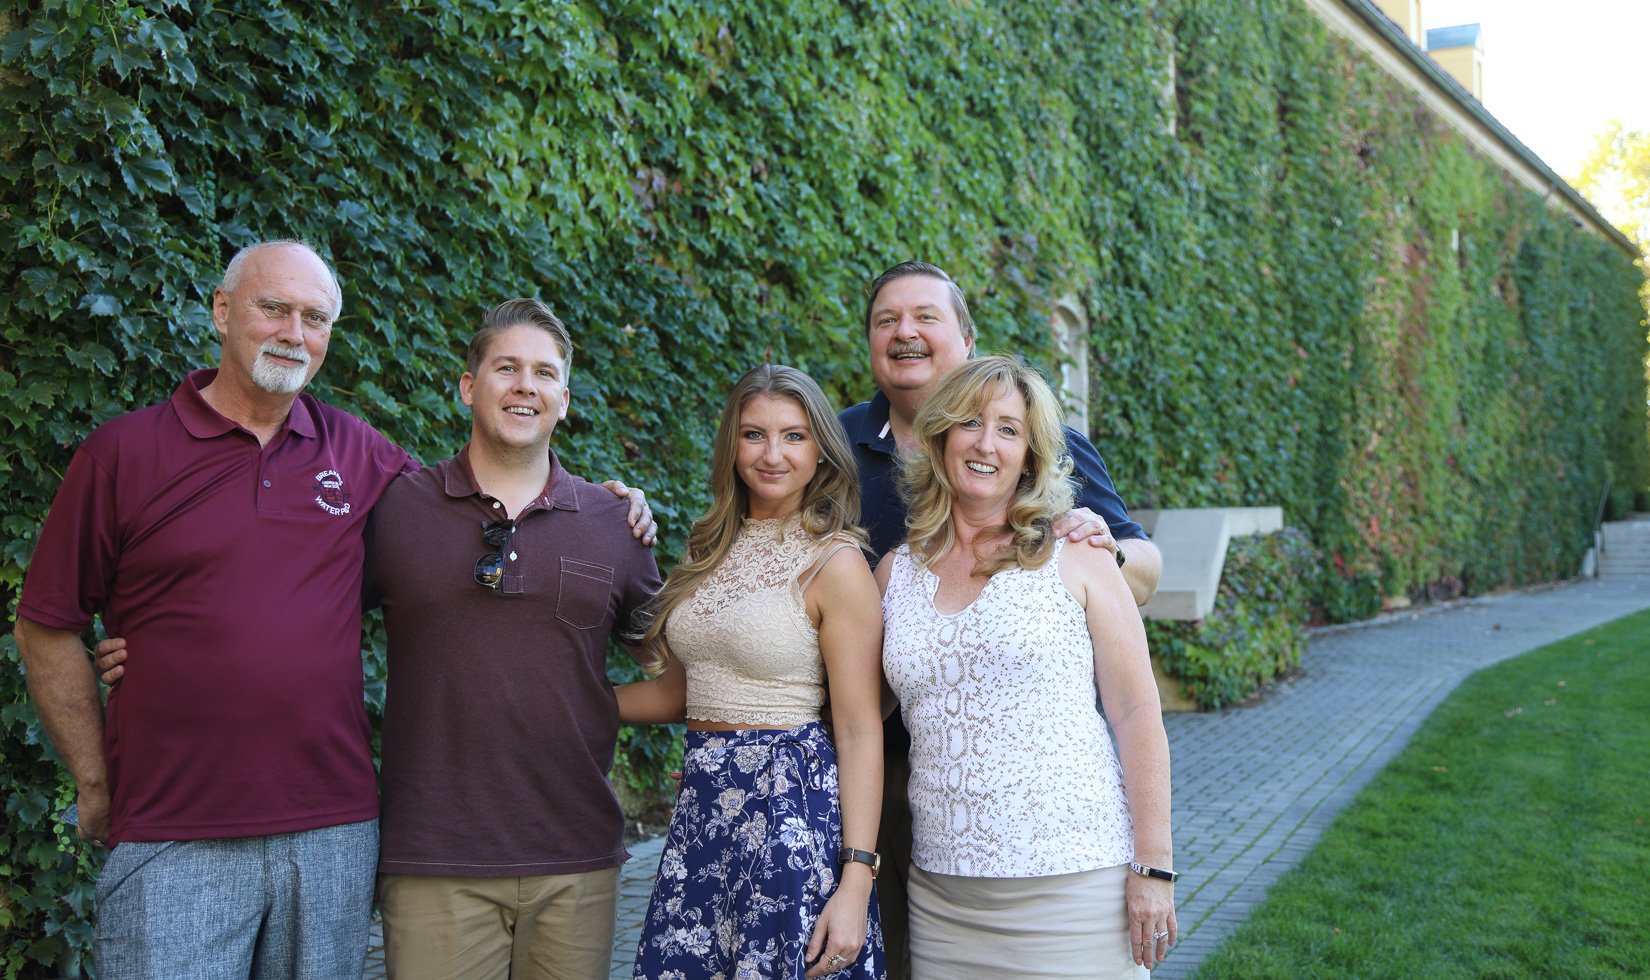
<point>220,533</point>
<point>502,577</point>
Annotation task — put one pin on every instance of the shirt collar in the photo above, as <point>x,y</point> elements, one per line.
<point>203,421</point>
<point>874,430</point>
<point>459,480</point>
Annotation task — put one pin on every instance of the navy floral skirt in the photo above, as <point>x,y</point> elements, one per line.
<point>750,861</point>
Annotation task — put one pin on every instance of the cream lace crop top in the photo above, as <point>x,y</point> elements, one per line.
<point>750,651</point>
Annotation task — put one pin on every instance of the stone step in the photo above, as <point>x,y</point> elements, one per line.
<point>1626,547</point>
<point>1627,530</point>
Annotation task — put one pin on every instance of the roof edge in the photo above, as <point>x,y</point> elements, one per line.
<point>1399,42</point>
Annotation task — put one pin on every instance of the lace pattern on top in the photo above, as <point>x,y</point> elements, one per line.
<point>1013,773</point>
<point>751,653</point>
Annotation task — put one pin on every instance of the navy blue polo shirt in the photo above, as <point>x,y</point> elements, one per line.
<point>882,513</point>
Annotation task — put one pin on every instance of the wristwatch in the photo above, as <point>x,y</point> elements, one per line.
<point>1121,558</point>
<point>870,859</point>
<point>1150,872</point>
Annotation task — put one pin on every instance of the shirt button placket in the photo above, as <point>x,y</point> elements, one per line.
<point>266,500</point>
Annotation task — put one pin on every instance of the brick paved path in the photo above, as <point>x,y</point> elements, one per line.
<point>1255,787</point>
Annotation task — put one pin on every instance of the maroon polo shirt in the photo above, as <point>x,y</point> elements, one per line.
<point>499,720</point>
<point>233,570</point>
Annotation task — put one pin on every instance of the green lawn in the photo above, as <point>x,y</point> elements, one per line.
<point>1510,839</point>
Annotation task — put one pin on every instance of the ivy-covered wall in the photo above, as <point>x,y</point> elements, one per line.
<point>1303,289</point>
<point>1312,293</point>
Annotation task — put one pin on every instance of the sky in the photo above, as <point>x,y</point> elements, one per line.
<point>1556,72</point>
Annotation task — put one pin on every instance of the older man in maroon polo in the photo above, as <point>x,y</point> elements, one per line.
<point>220,533</point>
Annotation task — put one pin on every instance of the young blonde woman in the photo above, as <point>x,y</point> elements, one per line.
<point>1038,850</point>
<point>767,870</point>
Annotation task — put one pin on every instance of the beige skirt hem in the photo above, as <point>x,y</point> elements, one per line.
<point>1058,927</point>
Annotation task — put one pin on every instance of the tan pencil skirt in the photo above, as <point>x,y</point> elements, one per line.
<point>1055,926</point>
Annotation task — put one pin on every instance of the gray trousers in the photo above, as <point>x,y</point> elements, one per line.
<point>282,907</point>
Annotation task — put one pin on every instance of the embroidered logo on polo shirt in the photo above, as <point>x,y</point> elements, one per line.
<point>330,492</point>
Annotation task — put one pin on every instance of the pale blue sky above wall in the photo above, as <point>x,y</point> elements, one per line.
<point>1556,72</point>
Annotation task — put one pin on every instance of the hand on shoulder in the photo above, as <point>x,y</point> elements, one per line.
<point>1090,571</point>
<point>638,514</point>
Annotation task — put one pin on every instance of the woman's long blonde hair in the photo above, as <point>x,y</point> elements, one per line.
<point>830,502</point>
<point>1045,490</point>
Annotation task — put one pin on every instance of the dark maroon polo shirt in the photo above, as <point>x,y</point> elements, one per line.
<point>499,720</point>
<point>234,572</point>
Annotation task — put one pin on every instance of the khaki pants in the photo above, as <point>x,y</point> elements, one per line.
<point>547,927</point>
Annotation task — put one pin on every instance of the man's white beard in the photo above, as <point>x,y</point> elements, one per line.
<point>274,378</point>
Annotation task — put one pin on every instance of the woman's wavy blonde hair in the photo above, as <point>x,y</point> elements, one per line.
<point>830,502</point>
<point>1045,490</point>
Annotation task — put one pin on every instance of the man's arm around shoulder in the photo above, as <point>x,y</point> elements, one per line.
<point>64,691</point>
<point>1142,568</point>
<point>1142,562</point>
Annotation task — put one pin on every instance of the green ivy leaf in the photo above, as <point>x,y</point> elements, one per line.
<point>147,174</point>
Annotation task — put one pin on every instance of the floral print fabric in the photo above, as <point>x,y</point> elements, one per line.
<point>750,861</point>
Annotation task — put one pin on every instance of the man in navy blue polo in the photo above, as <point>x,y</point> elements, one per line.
<point>918,327</point>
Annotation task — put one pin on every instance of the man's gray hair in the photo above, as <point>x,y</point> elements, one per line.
<point>232,272</point>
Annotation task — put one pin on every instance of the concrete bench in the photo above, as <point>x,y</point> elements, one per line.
<point>1193,543</point>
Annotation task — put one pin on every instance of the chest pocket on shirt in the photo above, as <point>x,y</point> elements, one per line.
<point>585,587</point>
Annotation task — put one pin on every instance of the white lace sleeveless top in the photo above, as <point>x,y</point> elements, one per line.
<point>751,652</point>
<point>1013,773</point>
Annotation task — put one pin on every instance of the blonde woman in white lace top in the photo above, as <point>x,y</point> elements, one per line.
<point>768,867</point>
<point>1026,822</point>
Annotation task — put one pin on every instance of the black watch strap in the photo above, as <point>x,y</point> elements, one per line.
<point>870,859</point>
<point>1121,558</point>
